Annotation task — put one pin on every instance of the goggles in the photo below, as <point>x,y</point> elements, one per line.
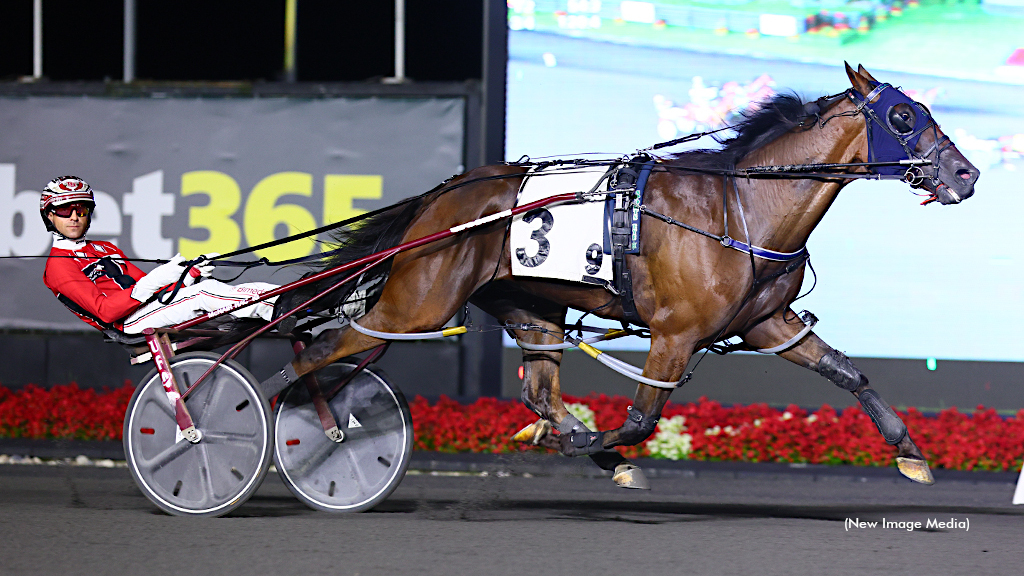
<point>65,210</point>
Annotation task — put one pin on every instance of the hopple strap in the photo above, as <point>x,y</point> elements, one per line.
<point>279,381</point>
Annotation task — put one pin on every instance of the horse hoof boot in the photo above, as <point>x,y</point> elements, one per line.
<point>915,469</point>
<point>533,433</point>
<point>630,476</point>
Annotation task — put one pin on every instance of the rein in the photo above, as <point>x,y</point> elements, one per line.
<point>914,175</point>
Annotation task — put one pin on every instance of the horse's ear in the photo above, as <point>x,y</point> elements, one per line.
<point>860,84</point>
<point>850,74</point>
<point>864,72</point>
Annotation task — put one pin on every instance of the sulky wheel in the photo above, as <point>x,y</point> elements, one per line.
<point>362,470</point>
<point>221,471</point>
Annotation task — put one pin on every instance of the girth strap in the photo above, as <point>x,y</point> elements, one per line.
<point>623,214</point>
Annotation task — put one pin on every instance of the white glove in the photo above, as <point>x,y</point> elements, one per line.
<point>204,270</point>
<point>161,276</point>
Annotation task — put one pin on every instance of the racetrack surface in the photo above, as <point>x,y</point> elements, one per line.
<point>84,520</point>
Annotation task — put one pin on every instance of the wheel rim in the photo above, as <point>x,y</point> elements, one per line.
<point>361,470</point>
<point>230,460</point>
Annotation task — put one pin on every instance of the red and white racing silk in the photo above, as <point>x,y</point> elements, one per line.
<point>94,280</point>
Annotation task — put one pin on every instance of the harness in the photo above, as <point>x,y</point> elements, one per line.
<point>622,213</point>
<point>892,155</point>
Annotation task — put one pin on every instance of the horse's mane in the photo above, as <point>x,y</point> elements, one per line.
<point>757,129</point>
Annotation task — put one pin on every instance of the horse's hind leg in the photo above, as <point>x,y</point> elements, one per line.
<point>814,354</point>
<point>541,388</point>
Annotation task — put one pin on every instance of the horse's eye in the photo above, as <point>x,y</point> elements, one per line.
<point>902,118</point>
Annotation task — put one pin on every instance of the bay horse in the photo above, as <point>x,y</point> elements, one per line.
<point>690,291</point>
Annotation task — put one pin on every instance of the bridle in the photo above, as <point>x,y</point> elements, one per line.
<point>894,124</point>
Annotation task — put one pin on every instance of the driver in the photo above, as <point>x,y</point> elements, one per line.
<point>96,282</point>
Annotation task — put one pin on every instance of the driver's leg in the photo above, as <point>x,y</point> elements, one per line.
<point>198,299</point>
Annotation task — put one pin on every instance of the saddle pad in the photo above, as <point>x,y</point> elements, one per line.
<point>562,241</point>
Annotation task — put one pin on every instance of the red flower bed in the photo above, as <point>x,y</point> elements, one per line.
<point>755,433</point>
<point>704,430</point>
<point>63,412</point>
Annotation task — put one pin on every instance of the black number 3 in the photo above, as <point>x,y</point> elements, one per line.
<point>547,221</point>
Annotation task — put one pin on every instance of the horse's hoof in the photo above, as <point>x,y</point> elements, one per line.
<point>630,476</point>
<point>533,433</point>
<point>915,469</point>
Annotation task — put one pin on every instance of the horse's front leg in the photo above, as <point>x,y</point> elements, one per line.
<point>814,354</point>
<point>666,362</point>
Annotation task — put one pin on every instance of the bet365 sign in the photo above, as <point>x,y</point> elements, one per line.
<point>221,216</point>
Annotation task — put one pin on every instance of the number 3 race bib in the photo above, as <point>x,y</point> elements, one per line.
<point>562,241</point>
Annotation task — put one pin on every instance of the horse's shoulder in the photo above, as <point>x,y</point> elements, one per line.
<point>689,190</point>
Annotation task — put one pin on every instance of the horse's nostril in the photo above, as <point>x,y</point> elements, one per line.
<point>965,174</point>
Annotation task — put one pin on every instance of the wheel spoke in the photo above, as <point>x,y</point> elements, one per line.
<point>361,480</point>
<point>324,450</point>
<point>220,384</point>
<point>198,402</point>
<point>165,456</point>
<point>378,418</point>
<point>206,475</point>
<point>162,403</point>
<point>218,437</point>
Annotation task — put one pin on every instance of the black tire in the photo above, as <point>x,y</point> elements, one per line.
<point>220,472</point>
<point>366,467</point>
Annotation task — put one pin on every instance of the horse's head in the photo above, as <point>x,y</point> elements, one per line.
<point>900,129</point>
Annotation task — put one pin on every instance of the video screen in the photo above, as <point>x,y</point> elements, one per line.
<point>895,279</point>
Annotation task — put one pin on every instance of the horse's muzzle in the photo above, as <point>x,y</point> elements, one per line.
<point>955,181</point>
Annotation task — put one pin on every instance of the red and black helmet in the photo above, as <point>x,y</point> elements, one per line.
<point>64,190</point>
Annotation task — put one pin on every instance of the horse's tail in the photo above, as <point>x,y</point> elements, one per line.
<point>352,242</point>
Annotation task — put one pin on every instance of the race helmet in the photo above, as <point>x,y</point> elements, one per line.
<point>64,190</point>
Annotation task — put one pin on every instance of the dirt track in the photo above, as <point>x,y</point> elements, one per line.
<point>82,520</point>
